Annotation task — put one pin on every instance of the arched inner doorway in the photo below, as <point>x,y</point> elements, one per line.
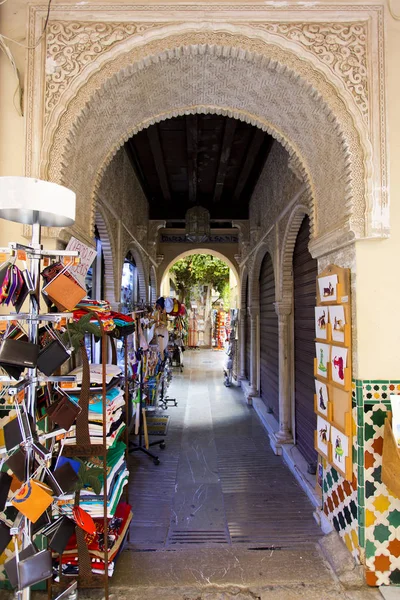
<point>207,286</point>
<point>235,77</point>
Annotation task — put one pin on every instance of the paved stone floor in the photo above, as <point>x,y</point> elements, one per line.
<point>221,517</point>
<point>219,482</point>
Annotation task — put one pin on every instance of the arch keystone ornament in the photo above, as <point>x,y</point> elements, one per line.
<point>138,68</point>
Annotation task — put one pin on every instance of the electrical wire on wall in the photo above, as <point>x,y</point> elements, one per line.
<point>4,47</point>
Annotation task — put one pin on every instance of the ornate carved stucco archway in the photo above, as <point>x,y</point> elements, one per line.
<point>283,77</point>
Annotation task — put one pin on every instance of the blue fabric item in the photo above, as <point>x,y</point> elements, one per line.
<point>74,463</point>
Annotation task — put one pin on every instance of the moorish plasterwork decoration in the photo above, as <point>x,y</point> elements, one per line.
<point>341,46</point>
<point>344,40</point>
<point>72,45</point>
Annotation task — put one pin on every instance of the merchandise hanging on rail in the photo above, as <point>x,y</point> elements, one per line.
<point>62,440</point>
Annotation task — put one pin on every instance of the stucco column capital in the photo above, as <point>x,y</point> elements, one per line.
<point>283,308</point>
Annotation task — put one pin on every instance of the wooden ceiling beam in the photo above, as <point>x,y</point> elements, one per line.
<point>192,144</point>
<point>153,136</point>
<point>229,134</point>
<point>133,156</point>
<point>255,145</point>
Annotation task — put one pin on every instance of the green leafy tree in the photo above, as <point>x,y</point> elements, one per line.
<point>201,269</point>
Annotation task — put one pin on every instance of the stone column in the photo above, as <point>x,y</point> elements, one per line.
<point>283,310</point>
<point>242,347</point>
<point>254,315</point>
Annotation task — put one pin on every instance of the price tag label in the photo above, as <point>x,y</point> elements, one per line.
<point>46,261</point>
<point>21,255</point>
<point>3,257</point>
<point>67,385</point>
<point>3,326</point>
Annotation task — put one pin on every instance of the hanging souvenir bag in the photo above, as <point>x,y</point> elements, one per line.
<point>53,355</point>
<point>63,290</point>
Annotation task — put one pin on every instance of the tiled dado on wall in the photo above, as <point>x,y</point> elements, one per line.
<point>379,510</point>
<point>363,511</point>
<point>340,502</point>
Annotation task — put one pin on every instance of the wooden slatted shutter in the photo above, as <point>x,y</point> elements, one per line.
<point>304,279</point>
<point>269,338</point>
<point>248,334</point>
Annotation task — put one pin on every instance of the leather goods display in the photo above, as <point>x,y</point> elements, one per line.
<point>52,357</point>
<point>66,477</point>
<point>62,480</point>
<point>59,533</point>
<point>19,353</point>
<point>5,536</point>
<point>32,499</point>
<point>34,569</point>
<point>63,412</point>
<point>5,484</point>
<point>17,431</point>
<point>84,520</point>
<point>10,566</point>
<point>65,292</point>
<point>17,463</point>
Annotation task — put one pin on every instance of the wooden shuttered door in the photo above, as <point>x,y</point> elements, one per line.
<point>269,339</point>
<point>304,279</point>
<point>247,333</point>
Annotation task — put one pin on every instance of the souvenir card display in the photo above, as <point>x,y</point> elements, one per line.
<point>322,436</point>
<point>322,360</point>
<point>327,287</point>
<point>321,398</point>
<point>321,323</point>
<point>332,368</point>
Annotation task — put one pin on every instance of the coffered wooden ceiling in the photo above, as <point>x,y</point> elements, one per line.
<point>210,160</point>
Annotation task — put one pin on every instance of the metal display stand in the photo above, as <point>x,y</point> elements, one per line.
<point>139,447</point>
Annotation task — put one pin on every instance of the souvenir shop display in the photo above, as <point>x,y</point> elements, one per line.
<point>332,369</point>
<point>220,335</point>
<point>63,463</point>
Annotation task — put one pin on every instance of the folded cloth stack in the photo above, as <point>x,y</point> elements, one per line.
<point>117,478</point>
<point>114,416</point>
<point>111,320</point>
<point>118,527</point>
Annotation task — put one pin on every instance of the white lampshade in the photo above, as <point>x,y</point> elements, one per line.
<point>28,200</point>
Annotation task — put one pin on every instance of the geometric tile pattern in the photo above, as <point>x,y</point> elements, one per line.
<point>340,500</point>
<point>382,509</point>
<point>340,506</point>
<point>376,516</point>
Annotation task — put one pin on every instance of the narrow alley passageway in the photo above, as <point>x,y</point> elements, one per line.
<point>221,517</point>
<point>219,481</point>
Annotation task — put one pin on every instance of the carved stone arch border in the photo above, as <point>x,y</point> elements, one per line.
<point>288,244</point>
<point>109,251</point>
<point>244,277</point>
<point>141,270</point>
<point>153,285</point>
<point>254,282</point>
<point>256,48</point>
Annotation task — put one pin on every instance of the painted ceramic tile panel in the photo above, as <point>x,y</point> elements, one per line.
<point>321,322</point>
<point>338,321</point>
<point>328,288</point>
<point>322,352</point>
<point>340,448</point>
<point>323,433</point>
<point>340,503</point>
<point>321,391</point>
<point>339,364</point>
